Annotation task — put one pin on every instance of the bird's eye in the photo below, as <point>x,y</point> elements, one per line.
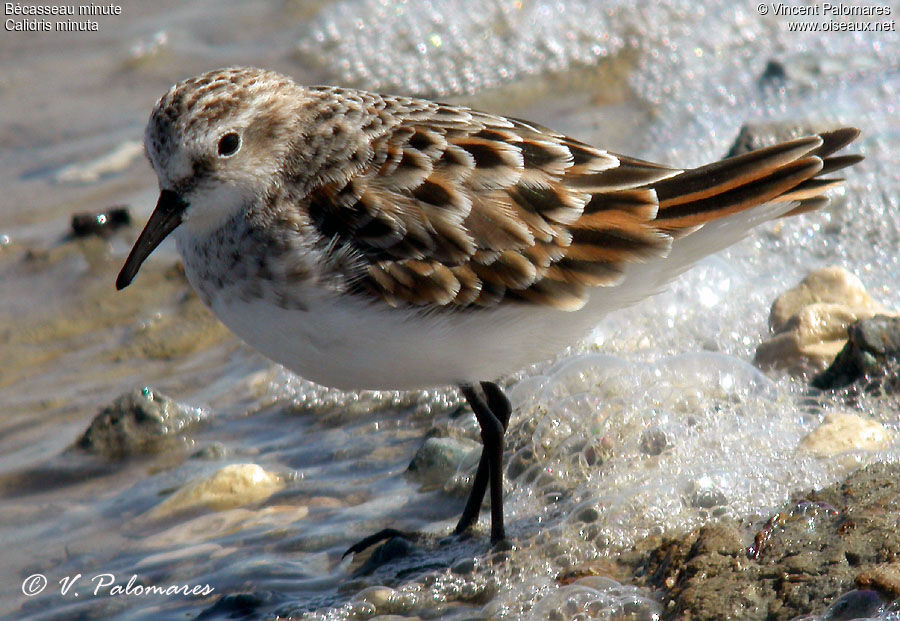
<point>229,144</point>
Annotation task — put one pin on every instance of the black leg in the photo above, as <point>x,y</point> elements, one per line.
<point>493,417</point>
<point>492,413</point>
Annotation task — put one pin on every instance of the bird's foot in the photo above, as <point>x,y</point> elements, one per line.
<point>404,554</point>
<point>384,534</point>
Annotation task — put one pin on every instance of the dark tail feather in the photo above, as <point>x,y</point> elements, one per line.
<point>786,172</point>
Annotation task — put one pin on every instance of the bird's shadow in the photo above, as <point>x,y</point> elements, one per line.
<point>395,562</point>
<point>392,563</point>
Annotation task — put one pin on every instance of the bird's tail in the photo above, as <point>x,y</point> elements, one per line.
<point>710,208</point>
<point>787,172</point>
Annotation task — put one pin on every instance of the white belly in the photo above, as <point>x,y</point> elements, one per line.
<point>348,342</point>
<point>352,345</point>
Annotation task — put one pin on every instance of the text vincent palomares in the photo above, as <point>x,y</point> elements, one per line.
<point>828,9</point>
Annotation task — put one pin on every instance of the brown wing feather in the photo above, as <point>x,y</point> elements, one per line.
<point>458,208</point>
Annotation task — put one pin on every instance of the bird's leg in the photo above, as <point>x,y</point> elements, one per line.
<point>492,413</point>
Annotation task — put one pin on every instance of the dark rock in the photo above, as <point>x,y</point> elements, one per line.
<point>439,459</point>
<point>465,566</point>
<point>588,515</point>
<point>872,353</point>
<point>102,223</point>
<point>797,71</point>
<point>808,559</point>
<point>214,451</point>
<point>703,493</point>
<point>775,71</point>
<point>400,552</point>
<point>139,422</point>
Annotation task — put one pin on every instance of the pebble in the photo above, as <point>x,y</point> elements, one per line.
<point>324,502</point>
<point>230,487</point>
<point>884,578</point>
<point>218,524</point>
<point>213,451</point>
<point>439,459</point>
<point>842,432</point>
<point>100,223</point>
<point>182,555</point>
<point>654,441</point>
<point>856,604</point>
<point>871,352</point>
<point>829,284</point>
<point>379,596</point>
<point>810,321</point>
<point>138,422</point>
<point>705,493</point>
<point>809,69</point>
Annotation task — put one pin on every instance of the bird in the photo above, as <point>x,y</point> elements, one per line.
<point>369,241</point>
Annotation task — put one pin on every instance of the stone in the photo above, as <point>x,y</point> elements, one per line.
<point>379,596</point>
<point>182,554</point>
<point>142,421</point>
<point>856,604</point>
<point>242,605</point>
<point>884,578</point>
<point>827,285</point>
<point>815,555</point>
<point>841,432</point>
<point>213,451</point>
<point>100,223</point>
<point>872,352</point>
<point>809,69</point>
<point>233,486</point>
<point>212,526</point>
<point>810,321</point>
<point>439,458</point>
<point>654,441</point>
<point>811,340</point>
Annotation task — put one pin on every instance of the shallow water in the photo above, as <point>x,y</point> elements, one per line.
<point>671,82</point>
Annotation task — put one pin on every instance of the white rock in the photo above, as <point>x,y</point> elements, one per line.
<point>833,285</point>
<point>232,486</point>
<point>842,432</point>
<point>810,320</point>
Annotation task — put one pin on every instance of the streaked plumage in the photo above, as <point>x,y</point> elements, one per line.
<point>369,241</point>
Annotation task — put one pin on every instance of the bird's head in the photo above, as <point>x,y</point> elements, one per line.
<point>216,143</point>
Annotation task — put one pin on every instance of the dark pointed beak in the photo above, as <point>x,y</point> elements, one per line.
<point>164,219</point>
